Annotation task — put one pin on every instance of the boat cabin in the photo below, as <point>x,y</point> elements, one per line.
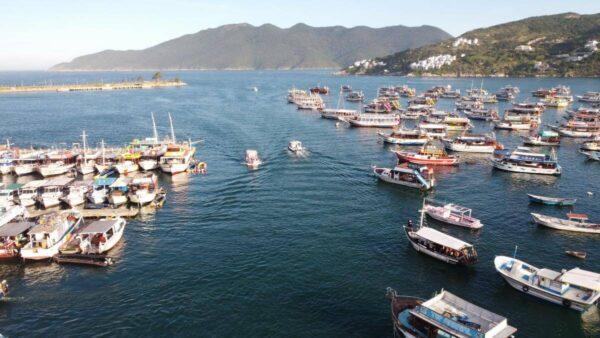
<point>12,237</point>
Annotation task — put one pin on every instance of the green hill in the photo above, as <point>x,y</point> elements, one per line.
<point>243,46</point>
<point>551,45</point>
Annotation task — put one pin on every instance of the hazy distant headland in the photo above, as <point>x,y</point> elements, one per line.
<point>247,47</point>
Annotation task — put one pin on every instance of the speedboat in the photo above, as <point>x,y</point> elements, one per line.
<point>295,147</point>
<point>575,289</point>
<point>525,160</point>
<point>444,315</point>
<point>450,213</point>
<point>574,222</point>
<point>408,175</point>
<point>50,233</point>
<point>252,159</point>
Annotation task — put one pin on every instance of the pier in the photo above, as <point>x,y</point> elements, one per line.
<point>99,86</point>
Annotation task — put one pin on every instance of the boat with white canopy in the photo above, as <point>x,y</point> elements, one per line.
<point>576,288</point>
<point>49,233</point>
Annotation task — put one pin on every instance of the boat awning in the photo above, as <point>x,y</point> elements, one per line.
<point>547,273</point>
<point>13,229</point>
<point>97,227</point>
<point>583,217</point>
<point>441,238</point>
<point>587,279</point>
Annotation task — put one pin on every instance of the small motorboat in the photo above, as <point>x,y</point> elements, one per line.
<point>407,174</point>
<point>551,200</point>
<point>295,147</point>
<point>574,222</point>
<point>450,213</point>
<point>252,159</point>
<point>578,254</point>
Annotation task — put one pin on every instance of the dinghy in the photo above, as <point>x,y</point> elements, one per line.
<point>551,200</point>
<point>578,254</point>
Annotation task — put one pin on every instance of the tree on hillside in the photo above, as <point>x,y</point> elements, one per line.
<point>157,76</point>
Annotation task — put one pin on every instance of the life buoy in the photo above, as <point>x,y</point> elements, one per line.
<point>525,288</point>
<point>566,302</point>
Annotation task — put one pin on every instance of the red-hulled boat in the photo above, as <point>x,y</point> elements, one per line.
<point>429,155</point>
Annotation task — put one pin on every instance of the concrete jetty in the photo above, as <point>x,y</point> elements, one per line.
<point>92,86</point>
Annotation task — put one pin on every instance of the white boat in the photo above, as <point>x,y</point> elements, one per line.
<point>523,124</point>
<point>543,138</point>
<point>433,130</point>
<point>100,189</point>
<point>592,155</point>
<point>178,156</point>
<point>148,164</point>
<point>53,190</point>
<point>49,233</point>
<point>86,165</point>
<point>473,144</point>
<point>454,123</point>
<point>28,194</point>
<point>9,213</point>
<point>55,168</point>
<point>8,194</point>
<point>451,214</point>
<point>7,159</point>
<point>252,159</point>
<point>295,147</point>
<point>445,315</point>
<point>575,289</point>
<point>76,193</point>
<point>525,160</point>
<point>127,167</point>
<point>414,176</point>
<point>592,145</point>
<point>375,120</point>
<point>117,198</point>
<point>336,114</point>
<point>309,102</point>
<point>143,189</point>
<point>439,245</point>
<point>26,166</point>
<point>96,237</point>
<point>574,222</point>
<point>405,137</point>
<point>482,114</point>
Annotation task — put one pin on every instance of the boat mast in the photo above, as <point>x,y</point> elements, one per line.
<point>154,128</point>
<point>172,130</point>
<point>103,153</point>
<point>422,215</point>
<point>84,148</point>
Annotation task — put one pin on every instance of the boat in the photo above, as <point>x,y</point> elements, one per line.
<point>11,212</point>
<point>252,159</point>
<point>50,233</point>
<point>309,102</point>
<point>143,189</point>
<point>406,174</point>
<point>543,138</point>
<point>482,114</point>
<point>454,123</point>
<point>178,156</point>
<point>346,88</point>
<point>444,315</point>
<point>428,155</point>
<point>8,157</point>
<point>356,96</point>
<point>57,162</point>
<point>87,159</point>
<point>8,194</point>
<point>415,112</point>
<point>591,145</point>
<point>575,289</point>
<point>524,123</point>
<point>433,130</point>
<point>52,191</point>
<point>574,222</point>
<point>28,194</point>
<point>451,213</point>
<point>465,105</point>
<point>118,190</point>
<point>3,289</point>
<point>471,143</point>
<point>525,160</point>
<point>339,114</point>
<point>405,91</point>
<point>382,106</point>
<point>100,188</point>
<point>556,101</point>
<point>128,162</point>
<point>578,129</point>
<point>294,93</point>
<point>28,162</point>
<point>13,236</point>
<point>592,155</point>
<point>589,97</point>
<point>578,254</point>
<point>295,147</point>
<point>375,120</point>
<point>320,90</point>
<point>551,200</point>
<point>95,237</point>
<point>406,137</point>
<point>439,245</point>
<point>76,192</point>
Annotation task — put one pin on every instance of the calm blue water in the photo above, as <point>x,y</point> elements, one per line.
<point>301,247</point>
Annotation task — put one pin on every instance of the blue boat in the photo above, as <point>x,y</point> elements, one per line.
<point>551,200</point>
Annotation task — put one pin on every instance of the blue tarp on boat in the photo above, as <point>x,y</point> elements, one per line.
<point>106,181</point>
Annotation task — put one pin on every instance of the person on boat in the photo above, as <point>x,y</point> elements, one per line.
<point>3,289</point>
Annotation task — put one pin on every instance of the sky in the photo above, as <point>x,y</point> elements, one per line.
<point>36,34</point>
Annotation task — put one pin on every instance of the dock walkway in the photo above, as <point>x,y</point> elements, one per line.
<point>91,86</point>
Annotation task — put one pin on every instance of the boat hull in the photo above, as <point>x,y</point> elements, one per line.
<point>554,223</point>
<point>48,171</point>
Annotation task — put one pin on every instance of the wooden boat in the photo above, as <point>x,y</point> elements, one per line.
<point>356,96</point>
<point>551,200</point>
<point>482,114</point>
<point>76,193</point>
<point>375,120</point>
<point>178,156</point>
<point>405,137</point>
<point>592,155</point>
<point>525,160</point>
<point>433,130</point>
<point>28,194</point>
<point>543,138</point>
<point>50,233</point>
<point>450,213</point>
<point>295,147</point>
<point>444,315</point>
<point>523,124</point>
<point>143,189</point>
<point>408,175</point>
<point>574,222</point>
<point>95,237</point>
<point>3,289</point>
<point>473,144</point>
<point>337,114</point>
<point>13,236</point>
<point>575,289</point>
<point>83,259</point>
<point>578,254</point>
<point>428,155</point>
